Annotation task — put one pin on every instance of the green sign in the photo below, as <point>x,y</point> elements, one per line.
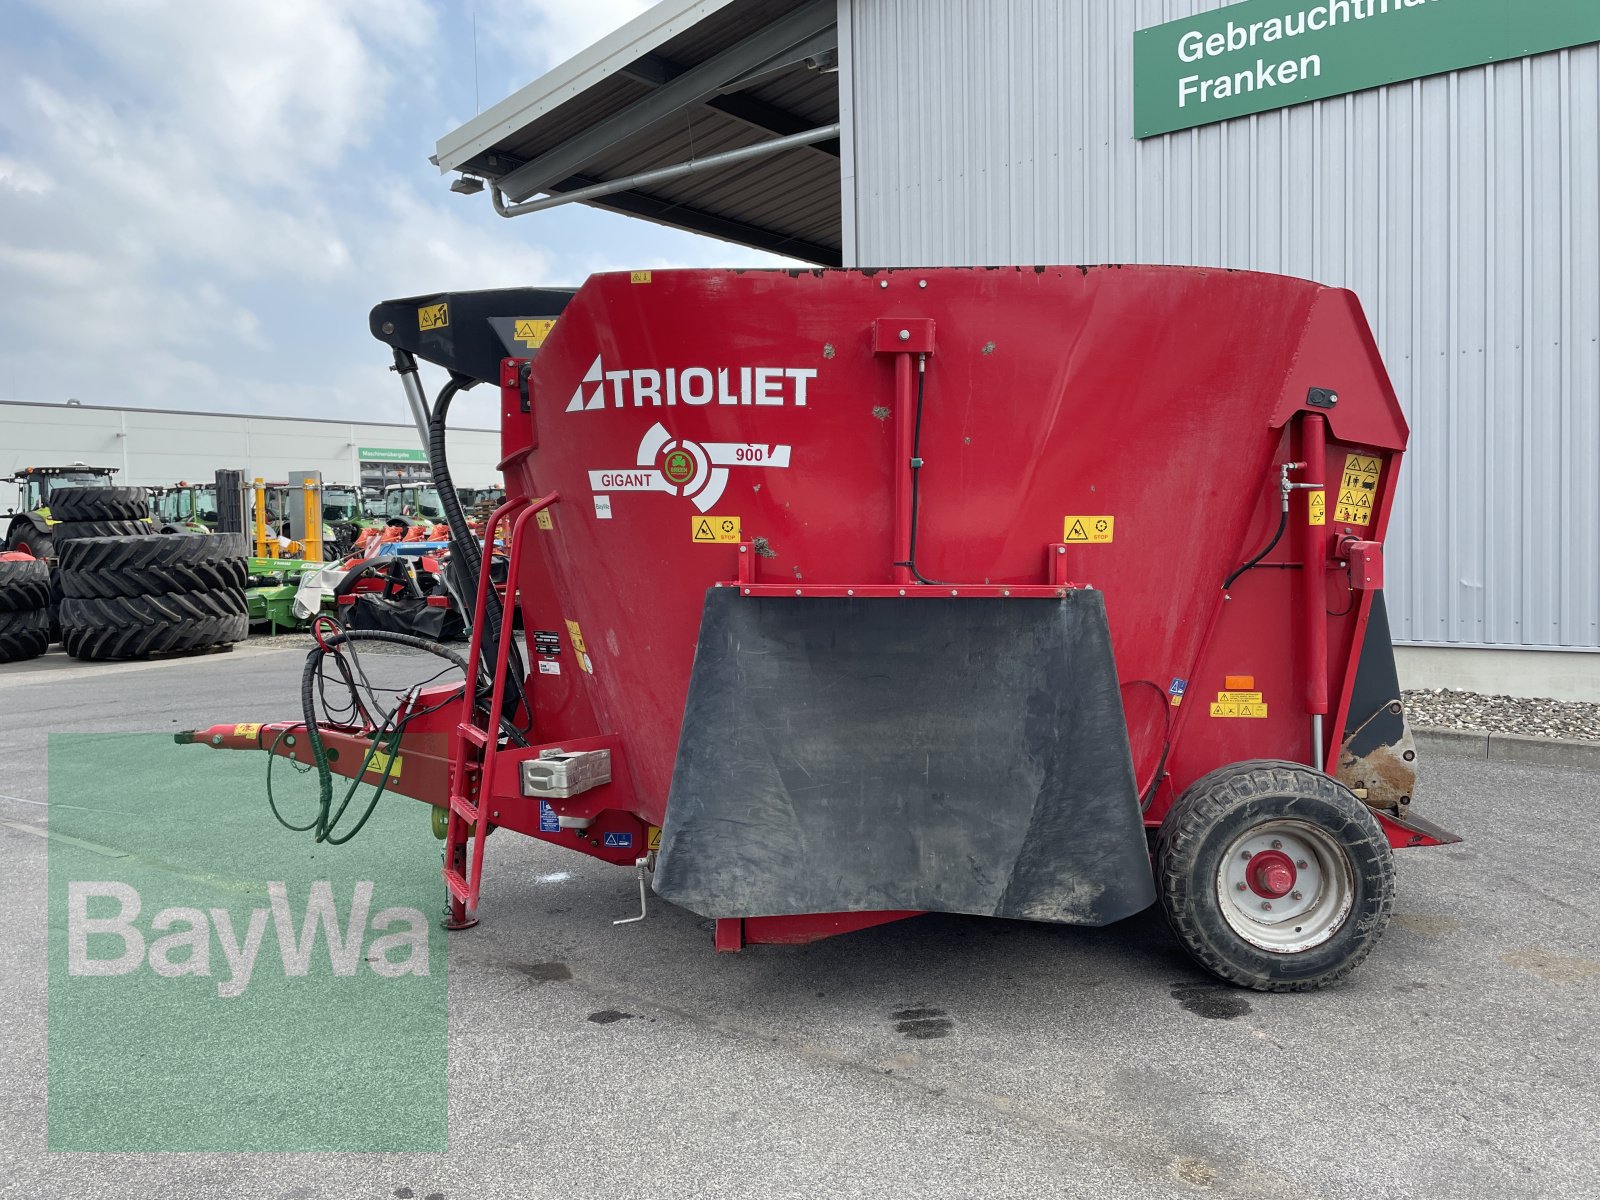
<point>390,454</point>
<point>1263,54</point>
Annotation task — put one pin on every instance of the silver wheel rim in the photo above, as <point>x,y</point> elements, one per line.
<point>1313,907</point>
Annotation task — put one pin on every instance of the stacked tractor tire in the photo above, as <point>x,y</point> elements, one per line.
<point>127,591</point>
<point>24,607</point>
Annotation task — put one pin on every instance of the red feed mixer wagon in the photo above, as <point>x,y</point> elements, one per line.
<point>844,596</point>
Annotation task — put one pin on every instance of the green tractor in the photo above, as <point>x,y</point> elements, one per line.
<point>185,508</point>
<point>29,526</point>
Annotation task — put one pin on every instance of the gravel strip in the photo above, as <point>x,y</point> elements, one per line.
<point>1440,708</point>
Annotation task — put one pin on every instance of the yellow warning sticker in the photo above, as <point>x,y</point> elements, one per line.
<point>1358,489</point>
<point>532,333</point>
<point>575,636</point>
<point>1317,513</point>
<point>639,277</point>
<point>380,763</point>
<point>542,519</point>
<point>652,839</point>
<point>1094,530</point>
<point>714,529</point>
<point>433,316</point>
<point>247,731</point>
<point>1223,708</point>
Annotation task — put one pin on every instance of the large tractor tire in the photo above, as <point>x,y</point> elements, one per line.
<point>136,626</point>
<point>24,635</point>
<point>24,585</point>
<point>28,538</point>
<point>99,504</point>
<point>1274,876</point>
<point>68,531</point>
<point>153,566</point>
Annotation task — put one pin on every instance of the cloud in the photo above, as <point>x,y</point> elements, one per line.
<point>199,202</point>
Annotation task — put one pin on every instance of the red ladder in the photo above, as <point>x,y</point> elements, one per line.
<point>475,743</point>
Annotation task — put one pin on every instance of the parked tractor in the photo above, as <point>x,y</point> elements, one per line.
<point>28,530</point>
<point>407,504</point>
<point>185,507</point>
<point>1041,593</point>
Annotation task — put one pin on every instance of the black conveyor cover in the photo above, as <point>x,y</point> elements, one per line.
<point>469,333</point>
<point>947,755</point>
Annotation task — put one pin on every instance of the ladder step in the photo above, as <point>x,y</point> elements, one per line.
<point>464,808</point>
<point>456,883</point>
<point>471,733</point>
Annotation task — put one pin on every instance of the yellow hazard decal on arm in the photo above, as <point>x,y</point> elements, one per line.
<point>713,529</point>
<point>531,332</point>
<point>433,316</point>
<point>380,764</point>
<point>1092,530</point>
<point>247,731</point>
<point>1317,507</point>
<point>542,519</point>
<point>1358,489</point>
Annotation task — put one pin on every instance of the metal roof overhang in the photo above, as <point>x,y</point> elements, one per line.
<point>685,82</point>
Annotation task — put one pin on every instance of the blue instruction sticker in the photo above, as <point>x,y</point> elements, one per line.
<point>623,840</point>
<point>1178,688</point>
<point>548,822</point>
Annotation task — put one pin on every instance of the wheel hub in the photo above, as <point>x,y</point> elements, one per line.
<point>1271,874</point>
<point>1285,886</point>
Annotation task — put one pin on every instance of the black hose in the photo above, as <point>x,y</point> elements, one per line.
<point>326,818</point>
<point>1283,523</point>
<point>464,547</point>
<point>916,481</point>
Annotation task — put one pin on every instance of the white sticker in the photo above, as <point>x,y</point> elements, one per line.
<point>602,507</point>
<point>549,668</point>
<point>586,662</point>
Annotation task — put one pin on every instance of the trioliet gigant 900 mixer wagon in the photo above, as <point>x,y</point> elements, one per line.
<point>852,595</point>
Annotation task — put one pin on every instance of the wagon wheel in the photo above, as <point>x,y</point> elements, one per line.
<point>1274,876</point>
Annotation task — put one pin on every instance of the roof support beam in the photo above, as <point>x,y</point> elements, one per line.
<point>694,86</point>
<point>654,70</point>
<point>668,174</point>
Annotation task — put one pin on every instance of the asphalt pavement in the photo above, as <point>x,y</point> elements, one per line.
<point>942,1056</point>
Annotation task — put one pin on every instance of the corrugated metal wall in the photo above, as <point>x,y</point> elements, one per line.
<point>1463,209</point>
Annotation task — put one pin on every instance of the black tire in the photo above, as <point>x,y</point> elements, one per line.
<point>136,626</point>
<point>179,563</point>
<point>99,504</point>
<point>26,537</point>
<point>1353,875</point>
<point>70,531</point>
<point>24,586</point>
<point>23,635</point>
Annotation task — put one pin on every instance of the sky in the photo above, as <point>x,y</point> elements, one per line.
<point>200,200</point>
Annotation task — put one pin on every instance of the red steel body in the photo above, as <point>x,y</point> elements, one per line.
<point>1158,404</point>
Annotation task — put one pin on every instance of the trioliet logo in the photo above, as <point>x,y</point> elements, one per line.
<point>650,387</point>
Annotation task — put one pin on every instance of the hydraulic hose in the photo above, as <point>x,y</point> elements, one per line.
<point>387,735</point>
<point>1283,523</point>
<point>465,549</point>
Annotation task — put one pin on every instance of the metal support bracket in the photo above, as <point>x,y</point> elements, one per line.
<point>639,865</point>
